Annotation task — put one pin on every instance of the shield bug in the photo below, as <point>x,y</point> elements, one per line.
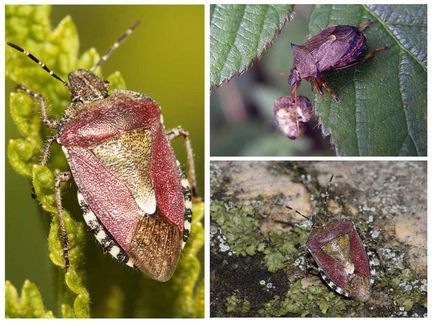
<point>131,189</point>
<point>342,259</point>
<point>290,115</point>
<point>334,48</point>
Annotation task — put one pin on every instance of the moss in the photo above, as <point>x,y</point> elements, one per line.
<point>27,305</point>
<point>283,248</point>
<point>315,301</point>
<point>237,306</point>
<point>240,228</point>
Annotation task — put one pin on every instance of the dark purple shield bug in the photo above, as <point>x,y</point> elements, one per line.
<point>334,48</point>
<point>290,115</point>
<point>133,193</point>
<point>342,259</point>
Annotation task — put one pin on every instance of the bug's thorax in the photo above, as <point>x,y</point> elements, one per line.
<point>86,87</point>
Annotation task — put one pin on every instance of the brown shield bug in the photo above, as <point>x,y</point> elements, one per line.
<point>290,115</point>
<point>334,48</point>
<point>131,189</point>
<point>342,259</point>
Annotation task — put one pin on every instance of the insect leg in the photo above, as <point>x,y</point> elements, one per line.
<point>327,87</point>
<point>318,87</point>
<point>38,97</point>
<point>372,53</point>
<point>179,132</point>
<point>46,149</point>
<point>62,177</point>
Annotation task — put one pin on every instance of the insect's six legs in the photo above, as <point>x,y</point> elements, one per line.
<point>62,177</point>
<point>179,132</point>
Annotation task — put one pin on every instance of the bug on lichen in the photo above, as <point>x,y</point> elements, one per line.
<point>337,248</point>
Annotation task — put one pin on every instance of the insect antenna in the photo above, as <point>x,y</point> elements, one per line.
<point>33,58</point>
<point>289,207</point>
<point>326,197</point>
<point>115,45</point>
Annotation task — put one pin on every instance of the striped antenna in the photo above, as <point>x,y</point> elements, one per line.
<point>115,45</point>
<point>326,197</point>
<point>33,58</point>
<point>295,210</point>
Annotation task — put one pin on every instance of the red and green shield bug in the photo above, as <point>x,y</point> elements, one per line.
<point>131,189</point>
<point>343,262</point>
<point>334,48</point>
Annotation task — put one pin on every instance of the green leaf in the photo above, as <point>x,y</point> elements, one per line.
<point>240,34</point>
<point>383,102</point>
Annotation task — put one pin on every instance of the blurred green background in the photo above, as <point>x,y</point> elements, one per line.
<point>164,59</point>
<point>242,120</point>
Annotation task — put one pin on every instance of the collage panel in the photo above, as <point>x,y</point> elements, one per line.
<point>209,161</point>
<point>318,80</point>
<point>113,225</point>
<point>318,239</point>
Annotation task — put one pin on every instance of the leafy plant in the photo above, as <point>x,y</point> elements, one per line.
<point>383,102</point>
<point>240,34</point>
<point>29,26</point>
<point>382,108</point>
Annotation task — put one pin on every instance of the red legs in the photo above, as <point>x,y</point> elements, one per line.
<point>319,84</point>
<point>179,132</point>
<point>372,53</point>
<point>318,87</point>
<point>62,177</point>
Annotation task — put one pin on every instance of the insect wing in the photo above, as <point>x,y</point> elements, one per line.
<point>165,175</point>
<point>107,196</point>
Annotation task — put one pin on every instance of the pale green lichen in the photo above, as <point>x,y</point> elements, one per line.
<point>283,248</point>
<point>240,227</point>
<point>314,300</point>
<point>237,306</point>
<point>29,26</point>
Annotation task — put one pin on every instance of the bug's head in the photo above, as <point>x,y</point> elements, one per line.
<point>87,87</point>
<point>294,77</point>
